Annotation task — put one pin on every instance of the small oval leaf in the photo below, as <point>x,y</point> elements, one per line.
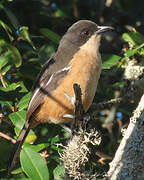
<point>11,17</point>
<point>18,118</point>
<point>135,38</point>
<point>24,34</point>
<point>13,52</point>
<point>33,165</point>
<point>54,37</point>
<point>131,52</point>
<point>24,101</point>
<point>16,56</point>
<point>3,61</point>
<point>36,147</point>
<point>7,29</point>
<point>6,69</point>
<point>109,60</point>
<point>59,172</point>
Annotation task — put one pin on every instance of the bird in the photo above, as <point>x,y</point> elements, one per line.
<point>77,60</point>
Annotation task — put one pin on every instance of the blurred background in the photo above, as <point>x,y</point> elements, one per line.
<point>30,32</point>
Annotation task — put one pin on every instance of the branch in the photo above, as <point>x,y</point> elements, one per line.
<point>75,9</point>
<point>126,98</point>
<point>78,108</point>
<point>129,158</point>
<point>7,137</point>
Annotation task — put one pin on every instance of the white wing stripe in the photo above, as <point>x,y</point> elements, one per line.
<point>36,92</point>
<point>50,79</point>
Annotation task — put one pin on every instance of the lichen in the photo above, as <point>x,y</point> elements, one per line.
<point>76,153</point>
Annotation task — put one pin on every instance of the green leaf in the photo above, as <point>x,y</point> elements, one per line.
<point>7,29</point>
<point>54,37</point>
<point>6,69</point>
<point>18,175</point>
<point>17,171</point>
<point>11,87</point>
<point>3,44</point>
<point>4,60</point>
<point>141,52</point>
<point>24,34</point>
<point>135,38</point>
<point>8,94</point>
<point>23,88</point>
<point>29,70</point>
<point>1,6</point>
<point>33,165</point>
<point>131,52</point>
<point>60,13</point>
<point>56,148</point>
<point>109,60</point>
<point>24,101</point>
<point>45,52</point>
<point>18,118</point>
<point>15,55</point>
<point>55,140</point>
<point>31,138</point>
<point>7,103</point>
<point>59,173</point>
<point>37,147</point>
<point>11,16</point>
<point>14,86</point>
<point>118,84</point>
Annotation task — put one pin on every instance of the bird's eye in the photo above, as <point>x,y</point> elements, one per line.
<point>85,32</point>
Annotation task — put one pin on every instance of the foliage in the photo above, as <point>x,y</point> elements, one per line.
<point>30,34</point>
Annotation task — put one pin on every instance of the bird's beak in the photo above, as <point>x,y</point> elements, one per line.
<point>102,29</point>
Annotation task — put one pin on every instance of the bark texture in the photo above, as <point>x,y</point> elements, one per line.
<point>128,163</point>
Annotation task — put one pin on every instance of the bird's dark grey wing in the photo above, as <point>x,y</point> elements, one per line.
<point>55,68</point>
<point>37,98</point>
<point>46,82</point>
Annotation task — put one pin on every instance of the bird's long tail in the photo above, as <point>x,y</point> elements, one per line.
<point>17,146</point>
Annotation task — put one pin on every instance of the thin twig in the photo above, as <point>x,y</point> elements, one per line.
<point>75,9</point>
<point>105,104</point>
<point>7,137</point>
<point>2,80</point>
<point>103,157</point>
<point>110,103</point>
